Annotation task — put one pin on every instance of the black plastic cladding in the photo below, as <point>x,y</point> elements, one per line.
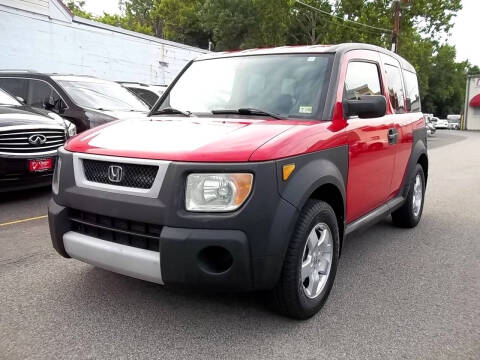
<point>266,218</point>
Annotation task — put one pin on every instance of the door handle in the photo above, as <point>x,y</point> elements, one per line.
<point>392,136</point>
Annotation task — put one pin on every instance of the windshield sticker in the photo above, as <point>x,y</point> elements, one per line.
<point>305,109</point>
<point>311,58</point>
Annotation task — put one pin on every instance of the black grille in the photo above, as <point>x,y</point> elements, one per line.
<point>133,175</point>
<point>22,141</point>
<point>120,231</point>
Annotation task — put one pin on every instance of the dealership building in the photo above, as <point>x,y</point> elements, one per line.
<point>472,103</point>
<point>44,36</point>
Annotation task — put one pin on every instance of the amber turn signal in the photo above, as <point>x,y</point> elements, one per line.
<point>287,171</point>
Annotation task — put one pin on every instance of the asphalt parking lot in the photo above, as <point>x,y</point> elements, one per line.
<point>398,293</point>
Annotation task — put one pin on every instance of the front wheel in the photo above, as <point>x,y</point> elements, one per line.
<point>310,263</point>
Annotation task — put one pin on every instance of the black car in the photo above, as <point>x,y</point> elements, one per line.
<point>149,94</point>
<point>84,100</point>
<point>29,139</point>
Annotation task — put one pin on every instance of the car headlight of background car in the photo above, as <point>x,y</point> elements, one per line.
<point>217,192</point>
<point>71,128</point>
<point>98,118</point>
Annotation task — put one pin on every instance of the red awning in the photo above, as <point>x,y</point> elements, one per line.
<point>475,102</point>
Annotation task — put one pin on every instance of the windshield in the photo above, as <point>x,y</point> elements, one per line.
<point>6,99</point>
<point>287,85</point>
<point>101,95</point>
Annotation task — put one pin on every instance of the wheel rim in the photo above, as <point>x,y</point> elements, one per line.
<point>417,195</point>
<point>316,260</point>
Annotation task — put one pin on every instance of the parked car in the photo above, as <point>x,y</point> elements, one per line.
<point>430,128</point>
<point>250,172</point>
<point>441,124</point>
<point>454,125</point>
<point>84,100</point>
<point>29,139</point>
<point>149,94</point>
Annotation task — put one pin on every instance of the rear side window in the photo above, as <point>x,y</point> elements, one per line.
<point>412,93</point>
<point>40,93</point>
<point>395,88</point>
<point>14,86</point>
<point>362,79</point>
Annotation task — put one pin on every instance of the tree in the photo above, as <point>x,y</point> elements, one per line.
<point>240,24</point>
<point>76,7</point>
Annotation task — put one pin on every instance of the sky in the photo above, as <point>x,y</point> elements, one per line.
<point>464,34</point>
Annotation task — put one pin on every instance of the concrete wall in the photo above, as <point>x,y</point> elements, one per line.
<point>472,115</point>
<point>47,38</point>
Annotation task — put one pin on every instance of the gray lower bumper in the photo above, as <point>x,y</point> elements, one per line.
<point>126,260</point>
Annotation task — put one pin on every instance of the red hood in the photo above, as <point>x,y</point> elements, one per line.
<point>180,139</point>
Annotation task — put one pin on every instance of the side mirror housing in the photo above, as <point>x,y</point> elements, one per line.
<point>49,103</point>
<point>371,106</point>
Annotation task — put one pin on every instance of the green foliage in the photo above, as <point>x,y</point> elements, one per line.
<point>241,24</point>
<point>76,7</point>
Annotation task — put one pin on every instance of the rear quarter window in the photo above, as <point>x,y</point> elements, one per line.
<point>412,92</point>
<point>395,88</point>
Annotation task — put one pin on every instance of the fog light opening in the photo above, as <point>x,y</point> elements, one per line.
<point>215,259</point>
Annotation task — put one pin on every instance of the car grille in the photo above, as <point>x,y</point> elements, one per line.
<point>17,141</point>
<point>131,233</point>
<point>133,175</point>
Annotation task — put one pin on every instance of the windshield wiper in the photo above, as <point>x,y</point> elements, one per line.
<point>169,110</point>
<point>248,111</point>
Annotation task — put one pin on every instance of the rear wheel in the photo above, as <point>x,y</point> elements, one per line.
<point>410,213</point>
<point>310,263</point>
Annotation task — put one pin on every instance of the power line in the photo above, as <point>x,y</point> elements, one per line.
<point>346,20</point>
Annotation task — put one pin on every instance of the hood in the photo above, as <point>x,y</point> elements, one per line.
<point>24,115</point>
<point>180,139</point>
<point>118,114</point>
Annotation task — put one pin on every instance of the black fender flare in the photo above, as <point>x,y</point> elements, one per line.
<point>419,148</point>
<point>327,167</point>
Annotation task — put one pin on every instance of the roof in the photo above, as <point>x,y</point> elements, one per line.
<point>310,49</point>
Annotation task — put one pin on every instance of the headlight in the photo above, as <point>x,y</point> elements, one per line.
<point>71,128</point>
<point>217,192</point>
<point>56,176</point>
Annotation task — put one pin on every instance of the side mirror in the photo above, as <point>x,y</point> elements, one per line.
<point>22,100</point>
<point>49,103</point>
<point>371,106</point>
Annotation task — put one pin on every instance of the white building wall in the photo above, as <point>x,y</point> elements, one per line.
<point>48,39</point>
<point>472,115</point>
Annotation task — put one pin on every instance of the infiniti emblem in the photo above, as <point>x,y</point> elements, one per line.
<point>37,139</point>
<point>115,173</point>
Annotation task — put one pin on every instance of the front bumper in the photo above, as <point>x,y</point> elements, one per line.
<point>15,174</point>
<point>184,256</point>
<point>242,250</point>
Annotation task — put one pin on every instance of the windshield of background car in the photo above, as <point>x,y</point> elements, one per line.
<point>289,85</point>
<point>6,99</point>
<point>101,95</point>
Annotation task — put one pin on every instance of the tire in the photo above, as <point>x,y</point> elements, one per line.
<point>290,295</point>
<point>409,215</point>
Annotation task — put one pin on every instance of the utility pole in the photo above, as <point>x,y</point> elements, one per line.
<point>396,22</point>
<point>396,25</point>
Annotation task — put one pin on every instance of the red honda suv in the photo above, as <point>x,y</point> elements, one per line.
<point>249,172</point>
